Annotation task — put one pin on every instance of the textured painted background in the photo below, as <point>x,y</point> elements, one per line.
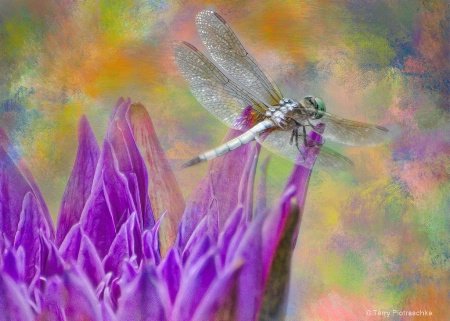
<point>376,237</point>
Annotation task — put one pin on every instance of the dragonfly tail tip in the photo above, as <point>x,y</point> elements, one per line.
<point>192,162</point>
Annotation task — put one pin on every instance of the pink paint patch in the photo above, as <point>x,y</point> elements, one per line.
<point>338,307</point>
<point>422,176</point>
<point>413,66</point>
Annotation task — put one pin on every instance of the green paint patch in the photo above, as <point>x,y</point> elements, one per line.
<point>369,49</point>
<point>347,271</point>
<point>121,21</point>
<point>354,273</point>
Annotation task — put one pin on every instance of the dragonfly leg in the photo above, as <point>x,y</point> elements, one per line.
<point>295,132</point>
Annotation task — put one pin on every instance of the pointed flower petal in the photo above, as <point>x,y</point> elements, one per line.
<point>22,179</point>
<point>218,193</point>
<point>261,195</point>
<point>164,192</point>
<point>170,270</point>
<point>70,247</point>
<point>13,305</point>
<point>250,289</point>
<point>97,221</point>
<point>89,261</point>
<point>51,262</point>
<point>145,298</point>
<point>231,229</point>
<point>30,226</point>
<point>14,264</point>
<point>195,283</point>
<point>300,175</point>
<point>220,302</point>
<point>130,162</point>
<point>274,302</point>
<point>123,246</point>
<point>80,182</point>
<point>118,195</point>
<point>150,243</point>
<point>71,296</point>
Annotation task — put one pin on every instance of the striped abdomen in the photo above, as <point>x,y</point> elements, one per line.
<point>243,139</point>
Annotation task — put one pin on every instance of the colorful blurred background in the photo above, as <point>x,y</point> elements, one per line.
<point>373,238</point>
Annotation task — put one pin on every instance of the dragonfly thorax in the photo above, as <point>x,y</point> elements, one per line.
<point>283,114</point>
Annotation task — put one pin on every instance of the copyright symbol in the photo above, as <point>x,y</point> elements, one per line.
<point>368,313</point>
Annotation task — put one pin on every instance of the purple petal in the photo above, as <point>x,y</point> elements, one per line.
<point>195,283</point>
<point>261,195</point>
<point>197,251</point>
<point>164,192</point>
<point>96,220</point>
<point>115,185</point>
<point>14,264</point>
<point>251,275</point>
<point>277,282</point>
<point>300,175</point>
<point>51,261</point>
<point>219,302</point>
<point>197,236</point>
<point>234,237</point>
<point>30,226</point>
<point>89,261</point>
<point>129,271</point>
<point>145,298</point>
<point>81,302</point>
<point>150,243</point>
<point>218,192</point>
<point>74,296</point>
<point>70,247</point>
<point>13,305</point>
<point>103,289</point>
<point>274,226</point>
<point>116,107</point>
<point>247,182</point>
<point>231,227</point>
<point>14,188</point>
<point>80,182</point>
<point>52,308</point>
<point>170,270</point>
<point>123,246</point>
<point>107,312</point>
<point>19,176</point>
<point>130,161</point>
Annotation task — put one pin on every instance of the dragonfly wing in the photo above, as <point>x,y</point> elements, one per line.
<point>226,49</point>
<point>351,132</point>
<point>219,95</point>
<point>278,141</point>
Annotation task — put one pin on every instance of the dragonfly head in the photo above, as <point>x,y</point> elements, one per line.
<point>316,104</point>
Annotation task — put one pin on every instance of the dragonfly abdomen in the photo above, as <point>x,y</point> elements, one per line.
<point>237,142</point>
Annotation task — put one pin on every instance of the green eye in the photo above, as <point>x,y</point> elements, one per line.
<point>320,107</point>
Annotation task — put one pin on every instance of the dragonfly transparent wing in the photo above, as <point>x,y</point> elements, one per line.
<point>230,54</point>
<point>219,95</point>
<point>351,132</point>
<point>278,141</point>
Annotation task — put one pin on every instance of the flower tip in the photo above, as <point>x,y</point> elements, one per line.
<point>320,128</point>
<point>138,110</point>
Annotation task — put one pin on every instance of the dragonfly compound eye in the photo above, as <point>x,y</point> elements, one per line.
<point>320,108</point>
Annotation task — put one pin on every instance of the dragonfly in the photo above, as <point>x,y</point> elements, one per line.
<point>279,123</point>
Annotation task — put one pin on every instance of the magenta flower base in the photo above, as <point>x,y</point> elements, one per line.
<point>127,247</point>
